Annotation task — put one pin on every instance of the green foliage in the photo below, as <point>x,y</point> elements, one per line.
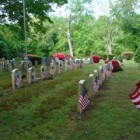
<point>37,8</point>
<point>128,55</point>
<point>137,55</point>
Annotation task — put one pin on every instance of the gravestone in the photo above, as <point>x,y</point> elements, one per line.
<point>31,75</point>
<point>1,67</point>
<point>30,64</point>
<point>81,63</point>
<point>46,61</point>
<point>60,67</point>
<point>96,81</point>
<point>16,79</point>
<point>56,60</point>
<point>43,72</point>
<point>83,100</point>
<point>91,85</point>
<point>53,68</point>
<point>36,63</point>
<point>103,73</point>
<point>77,63</point>
<point>68,65</point>
<point>74,64</point>
<point>9,67</point>
<point>91,60</point>
<point>100,75</point>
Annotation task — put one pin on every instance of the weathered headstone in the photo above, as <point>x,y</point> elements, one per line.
<point>36,63</point>
<point>77,63</point>
<point>53,68</point>
<point>96,81</point>
<point>16,79</point>
<point>60,67</point>
<point>81,63</point>
<point>46,61</point>
<point>74,64</point>
<point>90,85</point>
<point>9,67</point>
<point>103,73</point>
<point>31,75</point>
<point>100,75</point>
<point>1,67</point>
<point>43,72</point>
<point>30,64</point>
<point>82,96</point>
<point>91,60</point>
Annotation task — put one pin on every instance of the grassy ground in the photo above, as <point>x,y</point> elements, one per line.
<point>47,110</point>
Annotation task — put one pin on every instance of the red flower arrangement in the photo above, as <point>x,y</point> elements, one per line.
<point>96,58</point>
<point>115,63</point>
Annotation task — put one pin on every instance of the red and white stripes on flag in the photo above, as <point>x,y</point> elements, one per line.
<point>83,100</point>
<point>52,70</point>
<point>96,84</point>
<point>18,81</point>
<point>108,73</point>
<point>135,97</point>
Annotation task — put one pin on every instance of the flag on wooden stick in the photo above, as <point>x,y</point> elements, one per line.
<point>83,100</point>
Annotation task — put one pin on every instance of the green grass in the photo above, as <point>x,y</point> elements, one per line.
<point>47,110</point>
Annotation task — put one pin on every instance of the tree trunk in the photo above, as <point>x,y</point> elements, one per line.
<point>110,46</point>
<point>70,43</point>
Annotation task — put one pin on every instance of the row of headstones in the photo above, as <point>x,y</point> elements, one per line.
<point>88,88</point>
<point>31,72</point>
<point>10,65</point>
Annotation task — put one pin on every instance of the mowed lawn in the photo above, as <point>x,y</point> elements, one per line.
<point>47,110</point>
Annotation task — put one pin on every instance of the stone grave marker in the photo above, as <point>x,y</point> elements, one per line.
<point>91,60</point>
<point>81,63</point>
<point>100,75</point>
<point>31,75</point>
<point>16,79</point>
<point>60,67</point>
<point>1,67</point>
<point>53,68</point>
<point>9,67</point>
<point>43,72</point>
<point>83,100</point>
<point>96,81</point>
<point>91,85</point>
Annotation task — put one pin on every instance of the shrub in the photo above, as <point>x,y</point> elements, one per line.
<point>115,64</point>
<point>128,55</point>
<point>137,55</point>
<point>96,58</point>
<point>110,56</point>
<point>104,56</point>
<point>34,58</point>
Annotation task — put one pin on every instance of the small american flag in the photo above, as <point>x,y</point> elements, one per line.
<point>18,81</point>
<point>52,70</point>
<point>135,97</point>
<point>96,84</point>
<point>108,73</point>
<point>33,74</point>
<point>83,100</point>
<point>43,74</point>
